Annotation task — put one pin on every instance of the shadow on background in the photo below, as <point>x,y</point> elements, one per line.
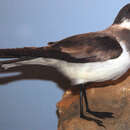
<point>31,72</point>
<point>35,72</point>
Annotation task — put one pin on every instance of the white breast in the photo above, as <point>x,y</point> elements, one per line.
<point>97,71</point>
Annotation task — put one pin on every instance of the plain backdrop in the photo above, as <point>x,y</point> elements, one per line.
<point>31,104</point>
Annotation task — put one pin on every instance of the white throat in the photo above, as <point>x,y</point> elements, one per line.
<point>125,24</point>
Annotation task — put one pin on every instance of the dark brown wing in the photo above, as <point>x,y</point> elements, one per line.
<point>91,47</point>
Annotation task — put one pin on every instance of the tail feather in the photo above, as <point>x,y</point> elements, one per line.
<point>24,55</point>
<point>45,52</point>
<point>31,55</point>
<point>33,52</point>
<point>23,52</point>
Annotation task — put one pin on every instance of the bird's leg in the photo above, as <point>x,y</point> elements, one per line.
<point>83,95</point>
<point>85,98</point>
<point>81,101</point>
<point>100,123</point>
<point>97,114</point>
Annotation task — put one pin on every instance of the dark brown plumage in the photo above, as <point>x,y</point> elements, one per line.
<point>81,48</point>
<point>123,14</point>
<point>92,47</point>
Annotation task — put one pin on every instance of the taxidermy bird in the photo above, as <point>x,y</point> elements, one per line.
<point>84,58</point>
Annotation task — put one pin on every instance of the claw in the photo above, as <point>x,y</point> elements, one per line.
<point>102,115</point>
<point>98,122</point>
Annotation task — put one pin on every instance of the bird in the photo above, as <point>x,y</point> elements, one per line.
<point>84,58</point>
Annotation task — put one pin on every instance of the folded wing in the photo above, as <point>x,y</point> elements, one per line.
<point>91,47</point>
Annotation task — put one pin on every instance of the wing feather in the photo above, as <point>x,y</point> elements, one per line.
<point>90,47</point>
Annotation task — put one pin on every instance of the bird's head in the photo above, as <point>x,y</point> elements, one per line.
<point>123,16</point>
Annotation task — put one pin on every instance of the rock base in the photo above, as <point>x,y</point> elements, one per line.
<point>113,98</point>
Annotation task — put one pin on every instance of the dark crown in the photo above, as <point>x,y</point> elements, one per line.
<point>123,14</point>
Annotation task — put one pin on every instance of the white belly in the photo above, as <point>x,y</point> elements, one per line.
<point>96,71</point>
